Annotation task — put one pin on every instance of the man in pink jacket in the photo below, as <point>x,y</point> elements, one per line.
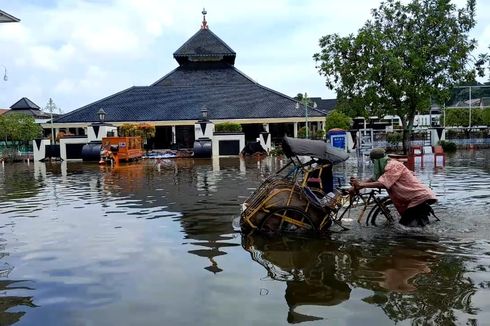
<point>411,197</point>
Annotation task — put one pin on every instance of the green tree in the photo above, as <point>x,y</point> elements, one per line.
<point>18,128</point>
<point>459,117</point>
<point>337,119</point>
<point>486,116</point>
<point>405,55</point>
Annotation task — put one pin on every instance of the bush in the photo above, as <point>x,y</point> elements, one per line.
<point>228,127</point>
<point>394,138</point>
<point>276,151</point>
<point>319,134</point>
<point>337,119</point>
<point>448,146</point>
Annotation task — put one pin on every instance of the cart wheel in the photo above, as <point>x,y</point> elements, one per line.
<point>386,210</point>
<point>286,219</point>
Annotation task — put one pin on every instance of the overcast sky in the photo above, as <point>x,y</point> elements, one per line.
<point>77,52</point>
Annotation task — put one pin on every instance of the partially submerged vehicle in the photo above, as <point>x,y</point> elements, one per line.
<point>300,197</point>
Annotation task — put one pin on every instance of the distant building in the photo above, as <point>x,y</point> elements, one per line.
<point>7,18</point>
<point>205,78</point>
<point>324,105</point>
<point>26,106</point>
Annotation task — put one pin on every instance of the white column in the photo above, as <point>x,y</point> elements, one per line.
<point>295,128</point>
<point>174,135</point>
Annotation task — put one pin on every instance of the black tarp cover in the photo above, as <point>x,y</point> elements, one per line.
<point>315,148</point>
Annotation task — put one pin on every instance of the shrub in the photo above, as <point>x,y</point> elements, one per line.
<point>228,127</point>
<point>276,151</point>
<point>302,132</point>
<point>448,146</point>
<point>319,134</point>
<point>337,119</point>
<point>394,138</point>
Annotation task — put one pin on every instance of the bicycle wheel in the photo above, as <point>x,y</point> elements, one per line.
<point>374,208</point>
<point>286,219</point>
<point>385,209</point>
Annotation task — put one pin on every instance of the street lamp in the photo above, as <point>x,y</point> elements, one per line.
<point>101,114</point>
<point>305,100</point>
<point>5,77</point>
<point>204,113</point>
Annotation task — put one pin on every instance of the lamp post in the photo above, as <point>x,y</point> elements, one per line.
<point>305,101</point>
<point>204,113</point>
<point>101,115</point>
<point>5,77</point>
<point>50,107</point>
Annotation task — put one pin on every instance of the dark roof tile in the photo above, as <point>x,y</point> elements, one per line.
<point>25,104</point>
<point>204,44</point>
<point>226,92</point>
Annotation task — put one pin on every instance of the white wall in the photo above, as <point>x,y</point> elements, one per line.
<point>217,138</point>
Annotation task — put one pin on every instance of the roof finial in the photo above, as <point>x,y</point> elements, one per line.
<point>204,22</point>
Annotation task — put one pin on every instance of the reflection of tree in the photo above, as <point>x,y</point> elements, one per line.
<point>409,282</point>
<point>18,183</point>
<point>8,302</point>
<point>437,298</point>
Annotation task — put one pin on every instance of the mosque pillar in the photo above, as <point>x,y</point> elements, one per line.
<point>174,135</point>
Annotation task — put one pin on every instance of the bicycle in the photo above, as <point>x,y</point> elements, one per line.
<point>375,202</point>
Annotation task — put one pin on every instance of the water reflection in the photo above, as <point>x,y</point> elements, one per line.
<point>12,306</point>
<point>13,301</point>
<point>416,282</point>
<point>97,240</point>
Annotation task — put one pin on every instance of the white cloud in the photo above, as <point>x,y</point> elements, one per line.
<point>79,51</point>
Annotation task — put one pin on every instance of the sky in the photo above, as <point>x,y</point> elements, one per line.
<point>77,52</point>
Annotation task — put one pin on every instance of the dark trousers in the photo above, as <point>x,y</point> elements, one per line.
<point>417,215</point>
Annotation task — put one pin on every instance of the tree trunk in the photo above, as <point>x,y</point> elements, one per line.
<point>404,136</point>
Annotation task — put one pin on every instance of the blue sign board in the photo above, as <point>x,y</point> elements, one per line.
<point>338,139</point>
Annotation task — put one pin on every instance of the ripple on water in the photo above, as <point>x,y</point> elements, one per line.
<point>99,240</point>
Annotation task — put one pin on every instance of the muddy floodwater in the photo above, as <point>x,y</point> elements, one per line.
<point>142,244</point>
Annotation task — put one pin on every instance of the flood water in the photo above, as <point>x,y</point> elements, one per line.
<point>140,245</point>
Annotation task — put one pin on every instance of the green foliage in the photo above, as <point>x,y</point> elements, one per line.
<point>302,132</point>
<point>276,151</point>
<point>18,128</point>
<point>459,117</point>
<point>448,146</point>
<point>319,134</point>
<point>394,138</point>
<point>228,127</point>
<point>337,119</point>
<point>404,56</point>
<point>144,130</point>
<point>486,117</point>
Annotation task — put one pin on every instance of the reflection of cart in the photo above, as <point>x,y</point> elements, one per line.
<point>316,272</point>
<point>300,196</point>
